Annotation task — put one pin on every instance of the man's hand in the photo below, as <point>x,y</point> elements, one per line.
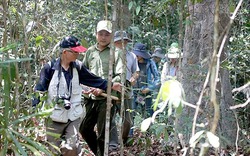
<point>132,81</point>
<point>97,91</point>
<point>145,91</point>
<point>117,86</point>
<point>91,90</point>
<point>134,78</point>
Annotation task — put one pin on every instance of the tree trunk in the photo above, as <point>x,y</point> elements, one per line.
<point>197,55</point>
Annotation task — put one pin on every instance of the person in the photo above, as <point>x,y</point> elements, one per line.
<point>147,82</point>
<point>170,68</point>
<point>132,72</point>
<point>61,78</point>
<point>96,59</point>
<point>159,58</point>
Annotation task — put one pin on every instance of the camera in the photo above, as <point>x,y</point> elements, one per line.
<point>64,100</point>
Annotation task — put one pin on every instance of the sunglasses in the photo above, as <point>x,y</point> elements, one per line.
<point>74,52</point>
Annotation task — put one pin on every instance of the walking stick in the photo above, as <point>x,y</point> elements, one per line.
<point>87,88</point>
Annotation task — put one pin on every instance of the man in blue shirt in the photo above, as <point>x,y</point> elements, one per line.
<point>132,72</point>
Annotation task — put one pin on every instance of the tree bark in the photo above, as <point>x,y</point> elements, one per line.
<point>197,55</point>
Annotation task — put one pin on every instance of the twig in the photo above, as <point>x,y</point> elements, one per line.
<point>199,102</point>
<point>241,105</point>
<point>241,88</point>
<point>237,134</point>
<point>191,105</point>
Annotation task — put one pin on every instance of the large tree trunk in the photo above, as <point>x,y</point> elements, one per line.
<point>197,50</point>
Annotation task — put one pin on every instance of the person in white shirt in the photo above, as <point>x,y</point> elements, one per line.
<point>171,67</point>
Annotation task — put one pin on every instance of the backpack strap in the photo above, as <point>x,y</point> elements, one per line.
<point>51,63</point>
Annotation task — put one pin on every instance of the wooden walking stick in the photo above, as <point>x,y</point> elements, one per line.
<point>87,88</point>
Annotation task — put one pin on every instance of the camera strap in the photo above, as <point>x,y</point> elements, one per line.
<point>58,84</point>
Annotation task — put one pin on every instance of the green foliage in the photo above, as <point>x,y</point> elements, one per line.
<point>237,62</point>
<point>35,27</point>
<point>17,130</point>
<point>150,22</point>
<point>171,94</point>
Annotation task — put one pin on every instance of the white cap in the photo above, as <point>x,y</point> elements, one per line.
<point>104,25</point>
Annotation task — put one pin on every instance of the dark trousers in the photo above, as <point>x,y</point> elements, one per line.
<point>126,124</point>
<point>95,115</point>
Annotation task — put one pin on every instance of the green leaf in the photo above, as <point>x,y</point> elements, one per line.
<point>130,5</point>
<point>5,139</point>
<point>6,99</point>
<point>145,124</point>
<point>8,47</point>
<point>138,9</point>
<point>32,149</point>
<point>42,113</point>
<point>196,1</point>
<point>84,43</point>
<point>213,140</point>
<point>15,150</point>
<point>194,139</point>
<point>179,109</point>
<point>35,144</point>
<point>18,145</point>
<point>54,146</point>
<point>231,7</point>
<point>39,40</point>
<point>16,60</point>
<point>166,135</point>
<point>55,135</point>
<point>155,21</point>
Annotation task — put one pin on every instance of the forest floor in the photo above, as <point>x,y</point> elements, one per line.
<point>142,144</point>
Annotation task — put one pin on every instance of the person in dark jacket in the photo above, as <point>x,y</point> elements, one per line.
<point>62,79</point>
<point>147,82</point>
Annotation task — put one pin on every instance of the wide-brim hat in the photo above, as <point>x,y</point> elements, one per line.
<point>174,55</point>
<point>140,50</point>
<point>72,43</point>
<point>158,53</point>
<point>174,52</point>
<point>121,35</point>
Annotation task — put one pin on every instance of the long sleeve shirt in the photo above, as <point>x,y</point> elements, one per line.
<point>98,63</point>
<point>149,76</point>
<point>85,76</point>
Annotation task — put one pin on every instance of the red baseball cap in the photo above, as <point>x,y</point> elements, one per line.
<point>72,43</point>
